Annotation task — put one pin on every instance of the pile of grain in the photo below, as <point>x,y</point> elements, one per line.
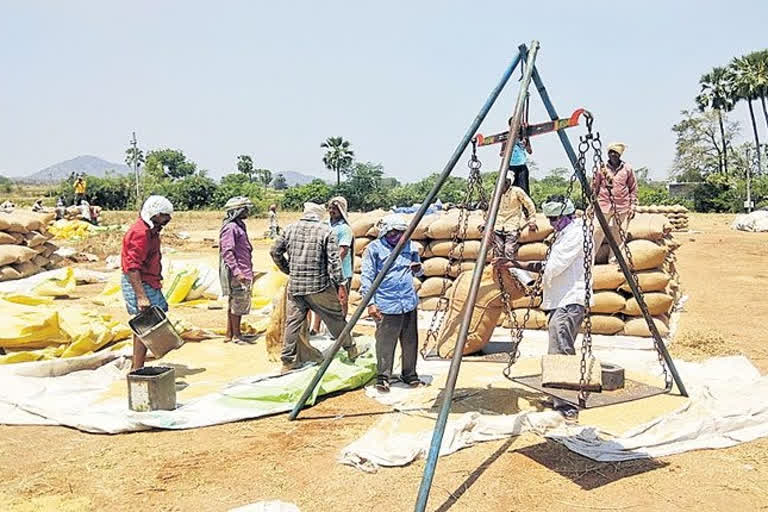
<point>615,312</point>
<point>25,247</point>
<point>677,214</point>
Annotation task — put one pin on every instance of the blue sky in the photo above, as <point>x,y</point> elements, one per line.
<point>400,80</point>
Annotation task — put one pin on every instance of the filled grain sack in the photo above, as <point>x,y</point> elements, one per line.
<point>22,222</point>
<point>4,224</point>
<point>7,239</point>
<point>444,226</point>
<point>15,254</point>
<point>485,314</point>
<point>646,254</point>
<point>537,319</point>
<point>355,298</point>
<point>525,302</point>
<point>355,283</point>
<point>607,277</point>
<point>605,324</point>
<point>416,284</point>
<point>360,244</point>
<point>608,302</point>
<point>443,248</point>
<point>658,304</point>
<point>536,251</point>
<point>8,273</point>
<point>26,269</point>
<point>543,230</point>
<point>650,281</point>
<point>455,270</point>
<point>433,287</point>
<point>40,261</point>
<point>365,222</point>
<point>420,233</point>
<point>435,267</point>
<point>429,304</point>
<point>358,265</point>
<point>35,239</point>
<point>639,327</point>
<point>647,226</point>
<point>49,249</point>
<point>418,247</point>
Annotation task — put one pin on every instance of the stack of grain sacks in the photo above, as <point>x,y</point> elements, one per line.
<point>25,248</point>
<point>615,312</point>
<point>676,214</point>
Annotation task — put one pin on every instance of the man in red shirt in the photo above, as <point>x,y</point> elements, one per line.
<point>142,266</point>
<point>615,180</point>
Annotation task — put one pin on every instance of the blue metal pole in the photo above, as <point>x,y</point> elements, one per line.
<point>608,236</point>
<point>493,210</point>
<point>465,140</point>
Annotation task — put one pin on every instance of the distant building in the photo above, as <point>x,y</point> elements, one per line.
<point>682,190</point>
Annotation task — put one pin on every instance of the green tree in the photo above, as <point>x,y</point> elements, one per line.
<point>317,191</point>
<point>338,156</point>
<point>748,82</point>
<point>279,183</point>
<point>169,163</point>
<point>245,166</point>
<point>716,93</point>
<point>698,147</point>
<point>264,176</point>
<point>134,156</point>
<point>363,188</point>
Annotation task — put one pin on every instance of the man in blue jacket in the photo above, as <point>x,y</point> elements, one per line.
<point>394,305</point>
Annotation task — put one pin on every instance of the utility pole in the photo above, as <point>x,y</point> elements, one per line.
<point>135,162</point>
<point>748,202</point>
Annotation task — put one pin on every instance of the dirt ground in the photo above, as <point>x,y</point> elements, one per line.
<point>725,274</point>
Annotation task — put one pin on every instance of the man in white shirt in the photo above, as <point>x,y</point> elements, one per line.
<point>563,282</point>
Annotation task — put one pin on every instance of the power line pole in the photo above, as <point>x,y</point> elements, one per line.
<point>748,202</point>
<point>135,162</point>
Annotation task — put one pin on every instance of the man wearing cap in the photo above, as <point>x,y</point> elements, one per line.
<point>339,221</point>
<point>308,252</point>
<point>617,179</point>
<point>236,265</point>
<point>394,305</point>
<point>142,267</point>
<point>563,282</point>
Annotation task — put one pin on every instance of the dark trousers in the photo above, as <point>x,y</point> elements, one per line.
<point>564,325</point>
<point>521,177</point>
<point>505,244</point>
<point>327,306</point>
<point>403,326</point>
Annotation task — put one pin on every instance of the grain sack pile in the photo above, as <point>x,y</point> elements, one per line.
<point>615,312</point>
<point>25,247</point>
<point>676,214</point>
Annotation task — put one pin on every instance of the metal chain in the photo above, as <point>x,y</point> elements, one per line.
<point>623,241</point>
<point>456,254</point>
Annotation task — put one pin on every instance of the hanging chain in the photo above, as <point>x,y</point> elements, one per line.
<point>623,242</point>
<point>456,254</point>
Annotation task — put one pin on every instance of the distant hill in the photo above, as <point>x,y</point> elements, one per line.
<point>90,165</point>
<point>295,178</point>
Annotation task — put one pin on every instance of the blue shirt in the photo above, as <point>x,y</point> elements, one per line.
<point>344,238</point>
<point>396,294</point>
<point>519,156</point>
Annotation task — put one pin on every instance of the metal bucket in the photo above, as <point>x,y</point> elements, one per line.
<point>152,388</point>
<point>154,329</point>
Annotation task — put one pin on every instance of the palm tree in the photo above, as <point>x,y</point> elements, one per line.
<point>338,156</point>
<point>716,93</point>
<point>761,58</point>
<point>746,82</point>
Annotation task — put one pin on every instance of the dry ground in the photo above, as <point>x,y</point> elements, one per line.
<point>725,274</point>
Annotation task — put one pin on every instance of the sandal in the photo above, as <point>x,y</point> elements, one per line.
<point>414,382</point>
<point>382,385</point>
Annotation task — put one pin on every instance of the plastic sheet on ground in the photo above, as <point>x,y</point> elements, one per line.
<point>754,222</point>
<point>74,399</point>
<point>60,278</point>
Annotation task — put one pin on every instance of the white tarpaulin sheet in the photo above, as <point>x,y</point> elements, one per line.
<point>755,222</point>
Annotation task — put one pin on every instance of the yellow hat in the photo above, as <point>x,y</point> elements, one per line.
<point>618,147</point>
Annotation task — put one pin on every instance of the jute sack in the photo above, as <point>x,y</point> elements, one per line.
<point>7,239</point>
<point>15,254</point>
<point>416,284</point>
<point>650,281</point>
<point>608,302</point>
<point>355,284</point>
<point>40,261</point>
<point>420,233</point>
<point>8,273</point>
<point>366,221</point>
<point>429,304</point>
<point>4,224</point>
<point>658,304</point>
<point>360,244</point>
<point>443,248</point>
<point>607,277</point>
<point>35,239</point>
<point>485,314</point>
<point>525,301</point>
<point>535,251</point>
<point>647,226</point>
<point>22,222</point>
<point>537,319</point>
<point>455,270</point>
<point>544,229</point>
<point>26,269</point>
<point>606,324</point>
<point>433,287</point>
<point>418,247</point>
<point>638,327</point>
<point>435,266</point>
<point>646,254</point>
<point>355,298</point>
<point>49,249</point>
<point>444,226</point>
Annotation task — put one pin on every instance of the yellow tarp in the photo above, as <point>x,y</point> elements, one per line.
<point>71,229</point>
<point>62,284</point>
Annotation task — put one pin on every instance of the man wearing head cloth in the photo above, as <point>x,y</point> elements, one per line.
<point>563,282</point>
<point>236,265</point>
<point>394,305</point>
<point>309,253</point>
<point>617,179</point>
<point>141,262</point>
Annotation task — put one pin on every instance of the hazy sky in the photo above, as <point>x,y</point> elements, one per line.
<point>400,80</point>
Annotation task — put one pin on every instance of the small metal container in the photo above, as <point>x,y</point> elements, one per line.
<point>613,376</point>
<point>155,330</point>
<point>152,388</point>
